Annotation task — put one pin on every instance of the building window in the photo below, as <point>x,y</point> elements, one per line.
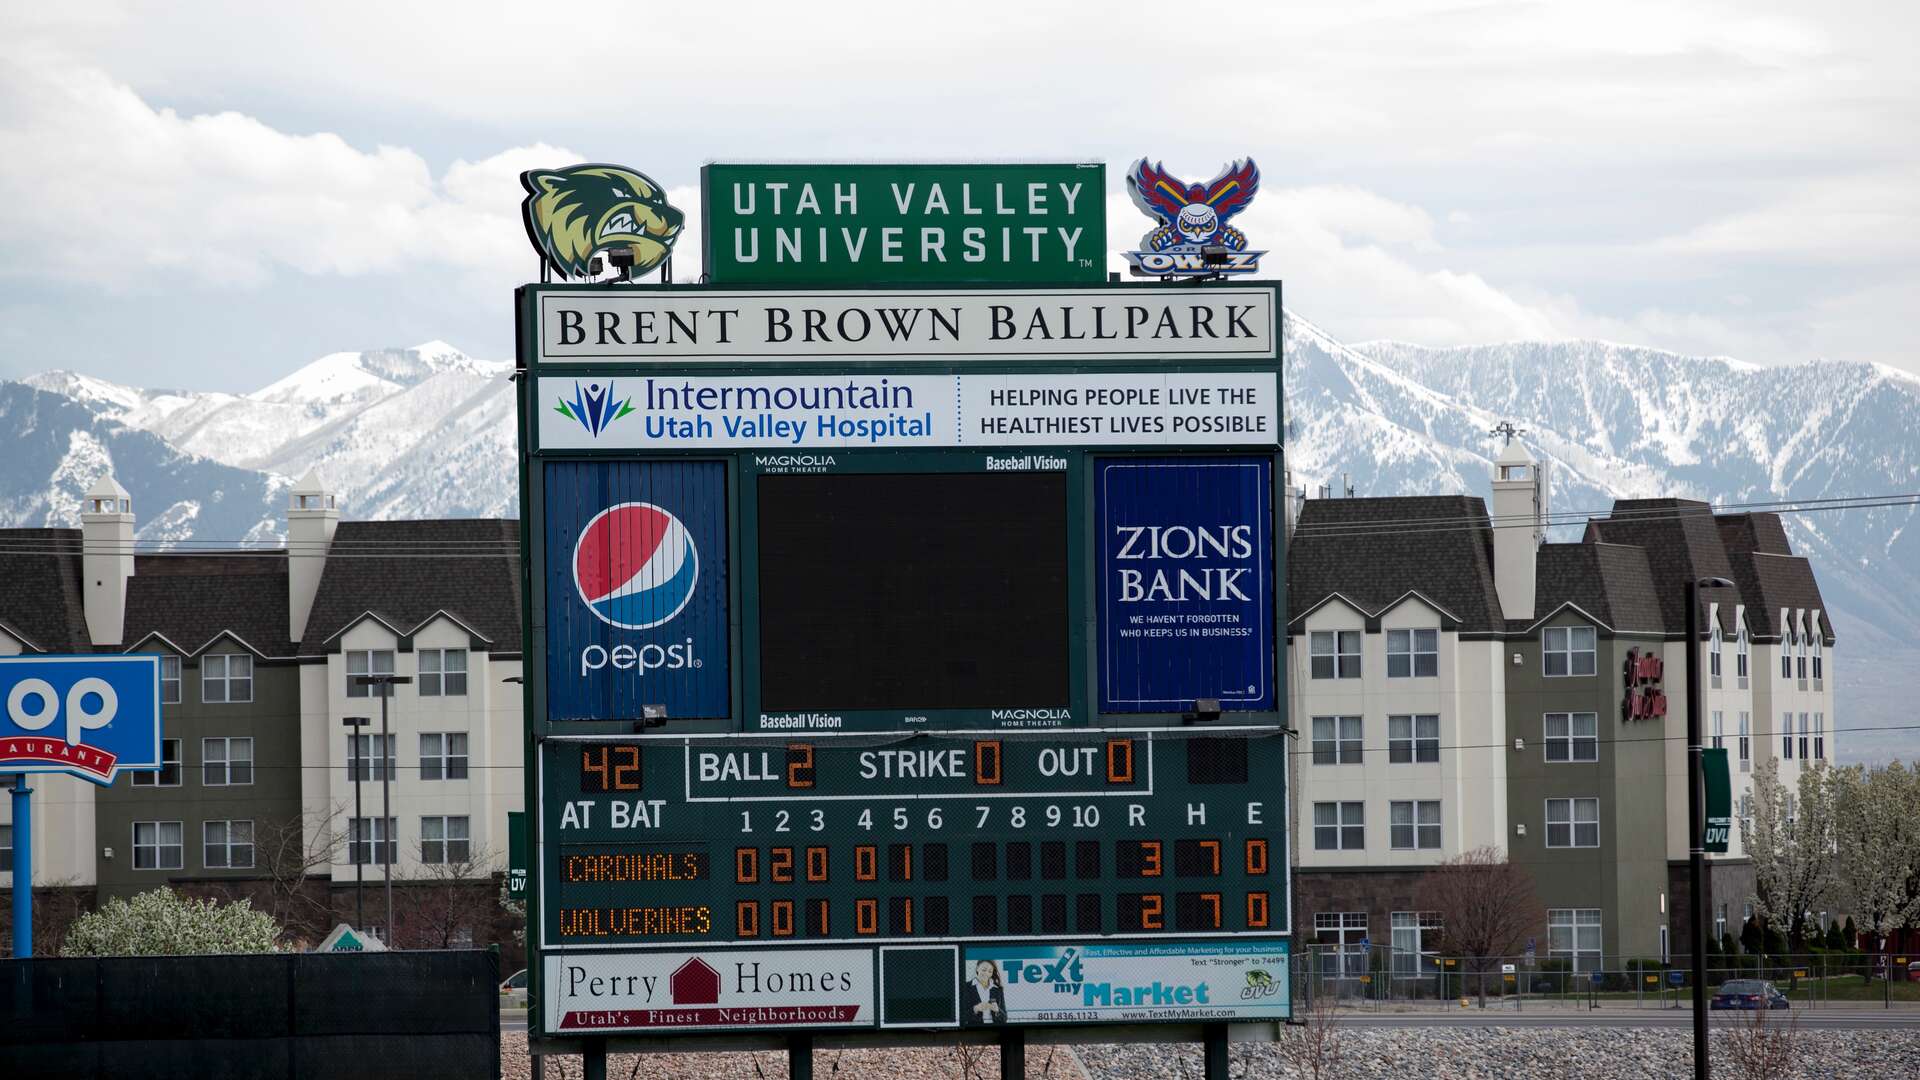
<point>1416,937</point>
<point>1336,654</point>
<point>443,840</point>
<point>361,762</point>
<point>1746,822</point>
<point>1786,736</point>
<point>370,840</point>
<point>463,937</point>
<point>1746,744</point>
<point>1740,652</point>
<point>1413,739</point>
<point>1573,823</point>
<point>1720,924</point>
<point>226,762</point>
<point>1569,650</point>
<point>1786,654</point>
<point>1713,651</point>
<point>157,845</point>
<point>1801,651</point>
<point>1819,736</point>
<point>6,848</point>
<point>1573,736</point>
<point>1413,654</point>
<point>1719,730</point>
<point>1339,826</point>
<point>1336,740</point>
<point>227,677</point>
<point>443,673</point>
<point>1344,930</point>
<point>1793,811</point>
<point>1574,934</point>
<point>228,845</point>
<point>169,773</point>
<point>367,662</point>
<point>1414,825</point>
<point>1818,667</point>
<point>443,756</point>
<point>169,680</point>
<point>1803,736</point>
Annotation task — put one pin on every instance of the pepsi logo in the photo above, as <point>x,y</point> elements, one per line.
<point>635,565</point>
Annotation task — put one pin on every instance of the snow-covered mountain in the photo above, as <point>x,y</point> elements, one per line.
<point>428,432</point>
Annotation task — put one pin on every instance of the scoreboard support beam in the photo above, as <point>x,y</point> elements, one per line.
<point>1013,1054</point>
<point>593,1063</point>
<point>1214,1052</point>
<point>800,1057</point>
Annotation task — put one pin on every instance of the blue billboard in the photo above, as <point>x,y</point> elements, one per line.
<point>636,589</point>
<point>88,716</point>
<point>1186,583</point>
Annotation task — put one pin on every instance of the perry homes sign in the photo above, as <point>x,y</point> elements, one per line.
<point>905,411</point>
<point>785,988</point>
<point>589,326</point>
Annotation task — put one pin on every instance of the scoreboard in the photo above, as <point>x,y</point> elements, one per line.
<point>904,659</point>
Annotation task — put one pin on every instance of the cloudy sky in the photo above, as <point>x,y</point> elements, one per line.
<point>207,195</point>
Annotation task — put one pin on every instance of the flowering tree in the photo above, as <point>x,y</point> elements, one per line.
<point>160,923</point>
<point>1790,839</point>
<point>1876,818</point>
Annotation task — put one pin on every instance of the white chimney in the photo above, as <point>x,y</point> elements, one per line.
<point>106,547</point>
<point>1519,525</point>
<point>313,513</point>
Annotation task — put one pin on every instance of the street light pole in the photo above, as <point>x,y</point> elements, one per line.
<point>355,723</point>
<point>1697,825</point>
<point>386,683</point>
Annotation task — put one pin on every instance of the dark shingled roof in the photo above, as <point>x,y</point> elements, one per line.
<point>1682,543</point>
<point>191,599</point>
<point>40,593</point>
<point>481,590</point>
<point>1611,582</point>
<point>1374,551</point>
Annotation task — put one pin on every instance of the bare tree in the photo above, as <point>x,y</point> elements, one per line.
<point>1790,839</point>
<point>1757,1046</point>
<point>1312,1046</point>
<point>439,899</point>
<point>291,852</point>
<point>1487,907</point>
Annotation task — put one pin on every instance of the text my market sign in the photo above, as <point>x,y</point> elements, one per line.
<point>912,224</point>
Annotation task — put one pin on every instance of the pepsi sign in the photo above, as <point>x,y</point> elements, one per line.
<point>1186,594</point>
<point>636,596</point>
<point>87,716</point>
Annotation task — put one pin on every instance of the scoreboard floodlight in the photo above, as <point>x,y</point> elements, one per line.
<point>870,636</point>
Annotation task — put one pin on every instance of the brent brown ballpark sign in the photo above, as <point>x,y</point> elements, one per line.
<point>903,659</point>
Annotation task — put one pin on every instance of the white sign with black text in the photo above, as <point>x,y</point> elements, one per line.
<point>654,991</point>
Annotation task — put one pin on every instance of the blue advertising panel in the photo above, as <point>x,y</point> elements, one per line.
<point>636,589</point>
<point>88,716</point>
<point>1186,583</point>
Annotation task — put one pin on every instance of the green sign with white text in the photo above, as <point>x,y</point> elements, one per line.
<point>818,225</point>
<point>1719,801</point>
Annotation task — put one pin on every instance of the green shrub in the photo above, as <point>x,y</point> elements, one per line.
<point>161,923</point>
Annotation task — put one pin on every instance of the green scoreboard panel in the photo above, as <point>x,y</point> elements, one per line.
<point>904,658</point>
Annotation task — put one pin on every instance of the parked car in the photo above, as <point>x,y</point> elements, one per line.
<point>1913,971</point>
<point>514,988</point>
<point>1748,994</point>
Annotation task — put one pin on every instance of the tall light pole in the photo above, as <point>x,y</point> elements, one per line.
<point>386,683</point>
<point>355,723</point>
<point>1697,824</point>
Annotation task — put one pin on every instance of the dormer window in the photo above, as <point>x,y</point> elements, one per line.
<point>1713,653</point>
<point>1818,674</point>
<point>1740,654</point>
<point>1568,650</point>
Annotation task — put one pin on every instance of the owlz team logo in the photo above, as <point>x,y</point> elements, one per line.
<point>635,565</point>
<point>1192,235</point>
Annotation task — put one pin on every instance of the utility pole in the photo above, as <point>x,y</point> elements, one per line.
<point>354,724</point>
<point>22,866</point>
<point>386,683</point>
<point>1697,825</point>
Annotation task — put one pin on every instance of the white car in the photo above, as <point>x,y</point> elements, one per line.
<point>513,991</point>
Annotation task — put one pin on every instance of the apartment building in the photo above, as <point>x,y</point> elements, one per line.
<point>1458,682</point>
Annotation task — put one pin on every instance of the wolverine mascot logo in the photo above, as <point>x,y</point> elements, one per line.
<point>575,213</point>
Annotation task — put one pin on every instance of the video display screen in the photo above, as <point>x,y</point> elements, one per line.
<point>920,590</point>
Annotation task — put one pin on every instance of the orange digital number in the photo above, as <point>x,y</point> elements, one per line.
<point>1152,912</point>
<point>1256,857</point>
<point>783,918</point>
<point>1212,900</point>
<point>593,760</point>
<point>1256,910</point>
<point>816,864</point>
<point>866,916</point>
<point>626,764</point>
<point>746,865</point>
<point>986,762</point>
<point>780,866</point>
<point>1119,761</point>
<point>799,765</point>
<point>866,863</point>
<point>1149,858</point>
<point>746,918</point>
<point>1212,847</point>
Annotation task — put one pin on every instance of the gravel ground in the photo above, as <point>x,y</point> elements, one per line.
<point>1494,1053</point>
<point>1490,1053</point>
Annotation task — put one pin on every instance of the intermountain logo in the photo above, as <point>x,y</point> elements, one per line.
<point>1193,236</point>
<point>575,213</point>
<point>594,407</point>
